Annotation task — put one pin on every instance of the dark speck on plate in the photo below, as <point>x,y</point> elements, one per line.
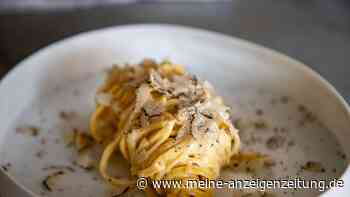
<point>260,124</point>
<point>238,123</point>
<point>122,193</point>
<point>284,99</point>
<point>42,141</point>
<point>59,167</point>
<point>40,154</point>
<point>64,115</point>
<point>57,141</point>
<point>301,108</point>
<point>306,116</point>
<point>313,166</point>
<point>259,112</point>
<point>28,130</point>
<point>341,154</point>
<point>49,182</point>
<point>269,163</point>
<point>291,143</point>
<point>275,142</point>
<point>6,167</point>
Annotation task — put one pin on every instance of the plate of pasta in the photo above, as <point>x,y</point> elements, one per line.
<point>165,110</point>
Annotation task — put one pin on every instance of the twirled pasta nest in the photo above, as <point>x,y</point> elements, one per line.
<point>166,123</point>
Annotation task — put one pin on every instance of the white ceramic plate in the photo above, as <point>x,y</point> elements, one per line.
<point>64,76</point>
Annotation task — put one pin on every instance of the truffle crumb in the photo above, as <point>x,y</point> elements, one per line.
<point>59,167</point>
<point>313,166</point>
<point>307,116</point>
<point>240,124</point>
<point>64,115</point>
<point>28,130</point>
<point>275,142</point>
<point>341,155</point>
<point>284,99</point>
<point>50,181</point>
<point>291,143</point>
<point>260,124</point>
<point>81,140</point>
<point>42,141</point>
<point>268,163</point>
<point>85,160</point>
<point>310,117</point>
<point>259,112</point>
<point>40,154</point>
<point>6,167</point>
<point>301,108</point>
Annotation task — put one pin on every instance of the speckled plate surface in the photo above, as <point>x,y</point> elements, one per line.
<point>282,108</point>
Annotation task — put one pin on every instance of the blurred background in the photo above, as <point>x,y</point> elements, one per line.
<point>316,32</point>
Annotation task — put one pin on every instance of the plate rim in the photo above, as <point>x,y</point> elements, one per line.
<point>208,33</point>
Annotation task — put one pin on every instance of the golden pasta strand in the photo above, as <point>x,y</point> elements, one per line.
<point>166,123</point>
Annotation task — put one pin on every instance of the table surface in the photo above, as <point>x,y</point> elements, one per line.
<point>316,32</point>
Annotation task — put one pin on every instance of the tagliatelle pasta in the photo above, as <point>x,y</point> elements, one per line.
<point>166,123</point>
